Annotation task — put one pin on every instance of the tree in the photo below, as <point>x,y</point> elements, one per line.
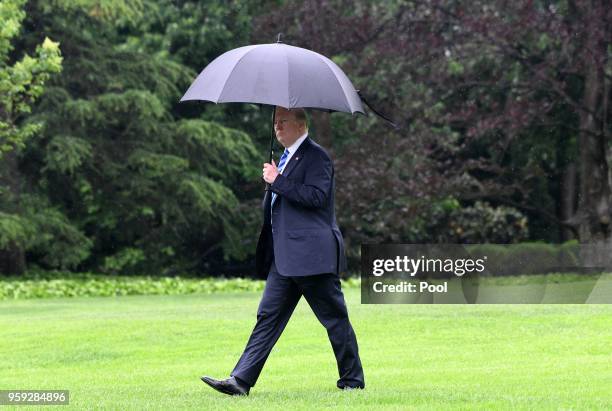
<point>21,83</point>
<point>153,192</point>
<point>552,76</point>
<point>499,101</point>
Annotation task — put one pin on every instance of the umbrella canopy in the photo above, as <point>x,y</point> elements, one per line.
<point>279,75</point>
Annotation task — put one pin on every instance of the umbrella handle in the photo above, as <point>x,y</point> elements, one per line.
<point>271,142</point>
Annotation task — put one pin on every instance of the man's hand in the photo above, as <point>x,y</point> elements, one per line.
<point>270,172</point>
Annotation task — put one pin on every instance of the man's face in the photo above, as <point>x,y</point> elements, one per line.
<point>287,128</point>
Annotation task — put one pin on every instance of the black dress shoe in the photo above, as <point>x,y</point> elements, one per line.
<point>231,386</point>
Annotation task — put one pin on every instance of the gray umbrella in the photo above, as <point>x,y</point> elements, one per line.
<point>279,75</point>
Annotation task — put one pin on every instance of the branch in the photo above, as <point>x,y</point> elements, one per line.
<point>515,52</point>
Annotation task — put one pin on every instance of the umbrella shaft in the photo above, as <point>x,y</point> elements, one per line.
<point>271,141</point>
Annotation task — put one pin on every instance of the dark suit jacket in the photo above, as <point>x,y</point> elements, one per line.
<point>303,238</point>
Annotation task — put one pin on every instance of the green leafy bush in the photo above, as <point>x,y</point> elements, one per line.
<point>57,284</point>
<point>480,223</point>
<point>527,258</point>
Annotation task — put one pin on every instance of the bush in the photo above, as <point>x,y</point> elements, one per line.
<point>481,223</point>
<point>52,284</point>
<point>527,258</point>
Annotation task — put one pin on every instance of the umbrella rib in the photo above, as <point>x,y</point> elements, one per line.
<point>346,97</point>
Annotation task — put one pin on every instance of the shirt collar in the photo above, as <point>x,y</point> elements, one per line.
<point>293,148</point>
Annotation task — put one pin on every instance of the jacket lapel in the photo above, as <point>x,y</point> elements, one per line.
<point>297,157</point>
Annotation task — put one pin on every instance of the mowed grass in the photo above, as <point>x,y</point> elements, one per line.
<point>148,352</point>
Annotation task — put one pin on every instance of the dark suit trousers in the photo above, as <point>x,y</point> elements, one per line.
<point>281,295</point>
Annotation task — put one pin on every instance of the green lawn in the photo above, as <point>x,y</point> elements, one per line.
<point>148,352</point>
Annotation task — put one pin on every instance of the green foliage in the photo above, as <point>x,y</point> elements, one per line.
<point>66,153</point>
<point>45,234</point>
<point>569,253</point>
<point>484,223</point>
<point>53,239</point>
<point>124,260</point>
<point>151,192</point>
<point>528,257</point>
<point>105,286</point>
<point>22,82</point>
<point>190,31</point>
<point>105,10</point>
<point>13,229</point>
<point>11,15</point>
<point>154,166</point>
<point>206,195</point>
<point>480,223</point>
<point>455,67</point>
<point>60,284</point>
<point>225,152</point>
<point>448,221</point>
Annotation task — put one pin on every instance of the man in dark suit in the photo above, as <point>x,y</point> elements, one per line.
<point>301,251</point>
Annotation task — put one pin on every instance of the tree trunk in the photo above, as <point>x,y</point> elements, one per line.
<point>594,199</point>
<point>594,203</point>
<point>12,259</point>
<point>568,199</point>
